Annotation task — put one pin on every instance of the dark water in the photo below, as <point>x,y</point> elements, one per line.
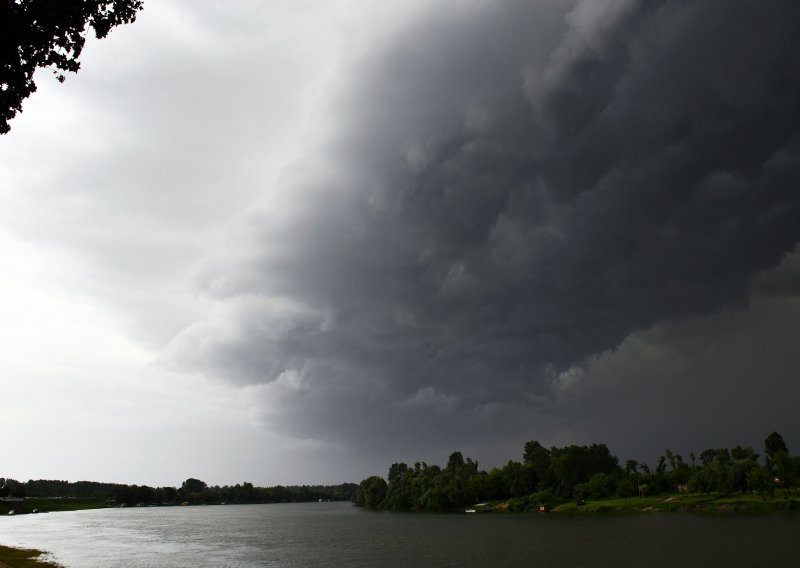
<point>337,534</point>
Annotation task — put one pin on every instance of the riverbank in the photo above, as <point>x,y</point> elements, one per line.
<point>30,558</point>
<point>26,506</point>
<point>23,558</point>
<point>681,502</point>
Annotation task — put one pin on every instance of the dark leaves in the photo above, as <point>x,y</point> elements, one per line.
<point>49,34</point>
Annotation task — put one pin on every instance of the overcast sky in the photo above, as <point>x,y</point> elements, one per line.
<point>296,241</point>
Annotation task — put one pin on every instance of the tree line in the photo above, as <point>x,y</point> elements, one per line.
<point>547,476</point>
<point>192,491</point>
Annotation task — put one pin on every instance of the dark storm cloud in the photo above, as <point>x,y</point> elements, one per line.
<point>510,191</point>
<point>693,383</point>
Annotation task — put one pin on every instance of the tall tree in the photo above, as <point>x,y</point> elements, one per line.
<point>537,456</point>
<point>455,462</point>
<point>49,34</point>
<point>773,445</point>
<point>193,485</point>
<point>371,492</point>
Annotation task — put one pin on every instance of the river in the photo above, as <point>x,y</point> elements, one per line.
<point>338,534</point>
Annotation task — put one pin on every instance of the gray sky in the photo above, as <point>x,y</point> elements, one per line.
<point>296,241</point>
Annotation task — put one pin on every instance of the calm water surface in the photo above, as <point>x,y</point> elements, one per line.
<point>338,534</point>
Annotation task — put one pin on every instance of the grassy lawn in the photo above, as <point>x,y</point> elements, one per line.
<point>630,504</point>
<point>23,558</point>
<point>688,502</point>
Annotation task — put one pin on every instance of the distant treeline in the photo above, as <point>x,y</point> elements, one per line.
<point>191,491</point>
<point>549,476</point>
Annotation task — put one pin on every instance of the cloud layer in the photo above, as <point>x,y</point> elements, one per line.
<point>506,192</point>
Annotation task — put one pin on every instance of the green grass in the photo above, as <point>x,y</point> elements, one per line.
<point>631,504</point>
<point>23,558</point>
<point>51,505</point>
<point>695,502</point>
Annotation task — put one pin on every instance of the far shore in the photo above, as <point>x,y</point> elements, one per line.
<point>675,502</point>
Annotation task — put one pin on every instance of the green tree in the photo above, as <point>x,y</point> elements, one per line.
<point>193,485</point>
<point>739,471</point>
<point>759,480</point>
<point>519,479</point>
<point>396,471</point>
<point>49,34</point>
<point>537,456</point>
<point>661,468</point>
<point>170,494</point>
<point>773,445</point>
<point>709,455</point>
<point>371,492</point>
<point>400,492</point>
<point>787,469</point>
<point>572,465</point>
<point>670,458</point>
<point>455,480</point>
<point>18,490</point>
<point>679,475</point>
<point>601,485</point>
<point>496,486</point>
<point>434,499</point>
<point>740,453</point>
<point>626,487</point>
<point>455,462</point>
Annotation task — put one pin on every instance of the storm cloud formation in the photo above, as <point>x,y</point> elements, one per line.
<point>509,191</point>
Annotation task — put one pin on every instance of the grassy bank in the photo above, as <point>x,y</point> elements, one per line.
<point>50,505</point>
<point>23,558</point>
<point>689,502</point>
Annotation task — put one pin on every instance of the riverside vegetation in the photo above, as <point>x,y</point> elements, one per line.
<point>46,495</point>
<point>590,478</point>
